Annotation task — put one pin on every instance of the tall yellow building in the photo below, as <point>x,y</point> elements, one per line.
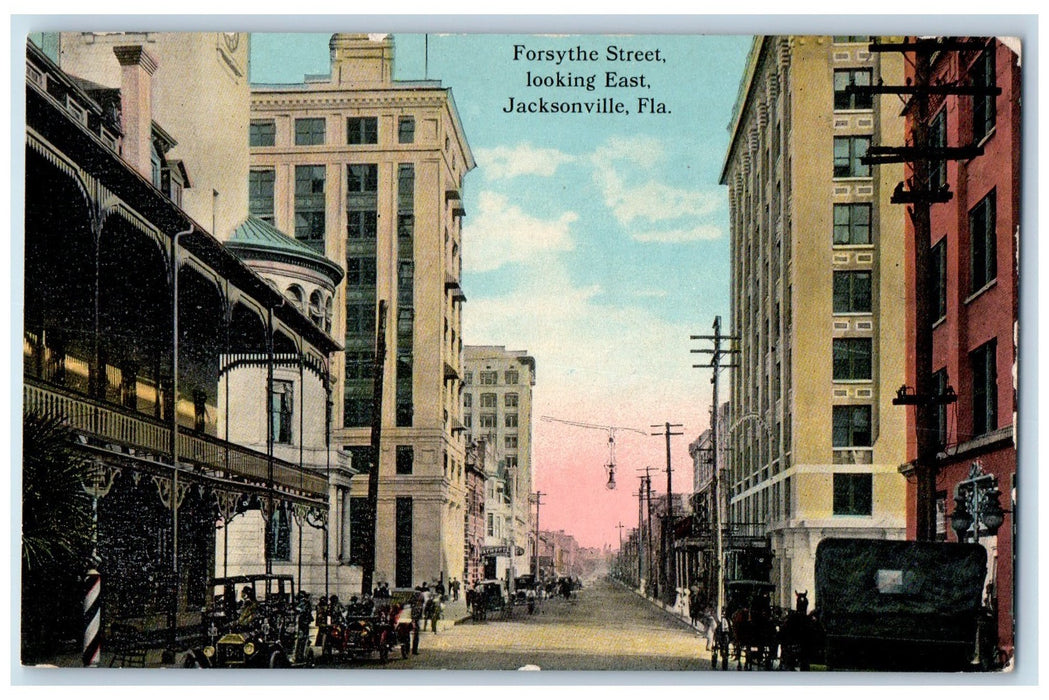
<point>817,301</point>
<point>368,171</point>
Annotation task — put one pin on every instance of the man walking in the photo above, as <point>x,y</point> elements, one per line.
<point>418,620</point>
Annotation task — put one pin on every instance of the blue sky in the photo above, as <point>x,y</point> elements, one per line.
<point>596,242</point>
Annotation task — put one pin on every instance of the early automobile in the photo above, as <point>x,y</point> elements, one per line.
<point>255,621</point>
<point>903,605</point>
<point>487,597</point>
<point>364,628</point>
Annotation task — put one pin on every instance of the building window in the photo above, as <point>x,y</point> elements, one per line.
<point>852,291</point>
<point>278,534</point>
<point>282,410</point>
<point>309,205</point>
<point>511,442</point>
<point>468,378</point>
<point>852,426</point>
<point>938,139</point>
<point>405,459</point>
<point>843,79</point>
<point>847,153</point>
<point>406,130</point>
<point>982,244</point>
<point>406,203</point>
<point>510,420</point>
<point>938,279</point>
<point>939,410</point>
<point>468,400</point>
<point>852,224</point>
<point>262,133</point>
<point>852,494</point>
<point>511,376</point>
<point>359,528</point>
<point>468,420</point>
<point>487,420</point>
<point>360,272</point>
<point>852,359</point>
<point>860,39</point>
<point>489,378</point>
<point>510,400</point>
<point>984,364</point>
<point>984,109</point>
<point>260,194</point>
<point>362,183</point>
<point>309,132</point>
<point>488,400</point>
<point>361,131</point>
<point>491,525</point>
<point>404,538</point>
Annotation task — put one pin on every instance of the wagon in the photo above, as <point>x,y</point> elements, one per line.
<point>896,605</point>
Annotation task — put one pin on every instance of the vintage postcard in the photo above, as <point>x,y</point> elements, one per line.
<point>644,352</point>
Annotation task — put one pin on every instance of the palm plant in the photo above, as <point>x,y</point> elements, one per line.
<point>56,534</point>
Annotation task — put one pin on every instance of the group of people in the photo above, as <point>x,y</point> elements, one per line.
<point>428,607</point>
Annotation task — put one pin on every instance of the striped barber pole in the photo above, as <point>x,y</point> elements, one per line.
<point>92,618</point>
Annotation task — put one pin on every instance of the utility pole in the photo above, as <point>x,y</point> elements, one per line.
<point>717,354</point>
<point>368,569</point>
<point>640,527</point>
<point>538,502</point>
<point>919,194</point>
<point>669,568</point>
<point>619,556</point>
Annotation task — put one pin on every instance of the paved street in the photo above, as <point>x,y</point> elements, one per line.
<point>605,628</point>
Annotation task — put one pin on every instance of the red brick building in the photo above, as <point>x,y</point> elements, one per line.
<point>974,295</point>
<point>473,569</point>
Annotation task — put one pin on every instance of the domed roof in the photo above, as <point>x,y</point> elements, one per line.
<point>255,239</point>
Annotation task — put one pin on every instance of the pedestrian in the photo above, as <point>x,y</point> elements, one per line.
<point>418,606</point>
<point>439,588</point>
<point>436,608</point>
<point>455,589</point>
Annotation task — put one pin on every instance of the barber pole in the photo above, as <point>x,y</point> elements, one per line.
<point>92,618</point>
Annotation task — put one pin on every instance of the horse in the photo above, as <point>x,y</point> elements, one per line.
<point>800,635</point>
<point>754,634</point>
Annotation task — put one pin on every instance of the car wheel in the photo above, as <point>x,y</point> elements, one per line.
<point>384,652</point>
<point>405,650</point>
<point>278,660</point>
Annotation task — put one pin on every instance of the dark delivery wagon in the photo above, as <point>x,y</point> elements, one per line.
<point>899,605</point>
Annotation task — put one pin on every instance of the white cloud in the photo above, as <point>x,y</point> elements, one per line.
<point>702,232</point>
<point>625,172</point>
<point>523,159</point>
<point>502,233</point>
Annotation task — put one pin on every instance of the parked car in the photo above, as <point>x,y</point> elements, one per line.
<point>486,597</point>
<point>255,621</point>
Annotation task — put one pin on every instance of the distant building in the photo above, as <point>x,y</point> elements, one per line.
<point>476,477</point>
<point>975,300</point>
<point>817,292</point>
<point>497,406</point>
<point>368,172</point>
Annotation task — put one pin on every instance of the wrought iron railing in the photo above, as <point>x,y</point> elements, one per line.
<point>218,457</point>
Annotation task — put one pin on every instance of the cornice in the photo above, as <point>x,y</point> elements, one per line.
<point>437,99</point>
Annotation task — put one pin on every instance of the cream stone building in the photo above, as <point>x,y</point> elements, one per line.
<point>497,407</point>
<point>817,301</point>
<point>198,90</point>
<point>368,172</point>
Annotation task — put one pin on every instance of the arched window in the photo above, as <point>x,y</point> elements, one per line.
<point>296,295</point>
<point>317,308</point>
<point>327,315</point>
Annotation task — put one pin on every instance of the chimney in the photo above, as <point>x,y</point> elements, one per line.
<point>136,106</point>
<point>361,60</point>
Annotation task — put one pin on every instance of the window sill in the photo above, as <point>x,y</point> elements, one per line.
<point>855,110</point>
<point>851,314</point>
<point>852,246</point>
<point>993,283</point>
<point>856,516</point>
<point>851,178</point>
<point>939,322</point>
<point>852,381</point>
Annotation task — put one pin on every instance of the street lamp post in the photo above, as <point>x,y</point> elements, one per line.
<point>978,513</point>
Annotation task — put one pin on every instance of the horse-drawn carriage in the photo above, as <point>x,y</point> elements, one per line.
<point>747,631</point>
